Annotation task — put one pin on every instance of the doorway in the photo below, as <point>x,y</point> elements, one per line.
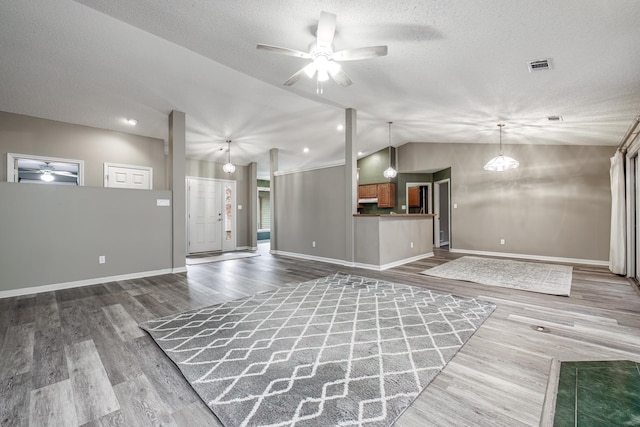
<point>442,209</point>
<point>418,198</point>
<point>211,219</point>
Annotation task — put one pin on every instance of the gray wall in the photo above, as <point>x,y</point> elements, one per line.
<point>557,203</point>
<point>311,207</point>
<point>242,176</point>
<point>40,137</point>
<point>55,234</point>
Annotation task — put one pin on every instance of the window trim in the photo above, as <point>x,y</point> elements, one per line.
<point>12,172</point>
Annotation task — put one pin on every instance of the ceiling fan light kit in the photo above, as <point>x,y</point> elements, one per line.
<point>324,65</point>
<point>47,176</point>
<point>501,163</point>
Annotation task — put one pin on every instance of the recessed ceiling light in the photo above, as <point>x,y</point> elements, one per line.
<point>131,122</point>
<point>340,127</point>
<point>306,150</point>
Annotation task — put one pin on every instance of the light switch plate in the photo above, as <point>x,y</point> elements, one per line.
<point>163,202</point>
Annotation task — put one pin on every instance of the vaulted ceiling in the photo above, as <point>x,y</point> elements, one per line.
<point>454,70</point>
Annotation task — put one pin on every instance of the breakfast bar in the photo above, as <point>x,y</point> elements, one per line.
<point>387,240</point>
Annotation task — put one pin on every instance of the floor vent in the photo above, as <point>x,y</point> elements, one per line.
<point>539,65</point>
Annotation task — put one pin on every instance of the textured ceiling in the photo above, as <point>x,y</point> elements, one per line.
<point>454,70</point>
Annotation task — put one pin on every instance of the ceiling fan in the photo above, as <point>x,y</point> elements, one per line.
<point>324,59</point>
<point>47,172</point>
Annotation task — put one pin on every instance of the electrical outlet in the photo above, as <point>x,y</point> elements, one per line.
<point>102,259</point>
<point>313,244</point>
<point>502,241</point>
<point>455,206</point>
<point>403,207</point>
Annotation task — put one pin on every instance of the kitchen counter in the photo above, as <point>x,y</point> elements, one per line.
<point>387,240</point>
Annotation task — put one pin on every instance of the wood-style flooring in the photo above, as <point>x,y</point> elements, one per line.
<point>76,357</point>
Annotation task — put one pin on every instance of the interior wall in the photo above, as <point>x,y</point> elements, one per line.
<point>311,206</point>
<point>55,234</point>
<point>205,169</point>
<point>30,135</point>
<point>557,203</point>
<point>373,166</point>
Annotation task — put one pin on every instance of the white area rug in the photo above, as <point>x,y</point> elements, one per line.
<point>221,257</point>
<point>549,279</point>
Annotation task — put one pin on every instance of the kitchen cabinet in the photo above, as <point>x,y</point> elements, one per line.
<point>386,195</point>
<point>413,197</point>
<point>367,191</point>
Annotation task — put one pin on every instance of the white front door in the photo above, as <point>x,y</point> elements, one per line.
<point>125,176</point>
<point>210,216</point>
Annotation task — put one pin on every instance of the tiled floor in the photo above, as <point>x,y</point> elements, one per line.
<point>605,393</point>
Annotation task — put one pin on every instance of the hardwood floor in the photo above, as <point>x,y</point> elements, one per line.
<point>76,356</point>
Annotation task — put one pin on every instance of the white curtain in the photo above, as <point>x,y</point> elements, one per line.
<point>617,249</point>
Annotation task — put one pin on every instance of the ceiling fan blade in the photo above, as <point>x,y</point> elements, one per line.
<point>341,78</point>
<point>65,173</point>
<point>326,29</point>
<point>294,78</point>
<point>359,53</point>
<point>283,51</point>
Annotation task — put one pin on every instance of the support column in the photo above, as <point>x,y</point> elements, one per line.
<point>177,139</point>
<point>351,181</point>
<point>273,195</point>
<point>253,205</point>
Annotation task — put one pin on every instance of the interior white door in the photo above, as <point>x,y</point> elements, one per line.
<point>124,176</point>
<point>442,220</point>
<point>204,215</point>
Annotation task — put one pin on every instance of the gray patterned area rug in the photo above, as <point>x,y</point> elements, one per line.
<point>340,350</point>
<point>549,279</point>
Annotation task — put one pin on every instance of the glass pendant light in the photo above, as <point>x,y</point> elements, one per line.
<point>229,167</point>
<point>390,172</point>
<point>501,163</point>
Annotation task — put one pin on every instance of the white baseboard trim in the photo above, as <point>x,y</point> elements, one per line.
<point>353,264</point>
<point>392,264</point>
<point>534,257</point>
<point>86,282</point>
<point>179,270</point>
<point>313,258</point>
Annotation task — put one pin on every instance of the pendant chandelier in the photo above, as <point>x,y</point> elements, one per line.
<point>390,172</point>
<point>502,162</point>
<point>229,167</point>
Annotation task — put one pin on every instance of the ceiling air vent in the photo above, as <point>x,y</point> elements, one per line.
<point>539,65</point>
<point>554,118</point>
